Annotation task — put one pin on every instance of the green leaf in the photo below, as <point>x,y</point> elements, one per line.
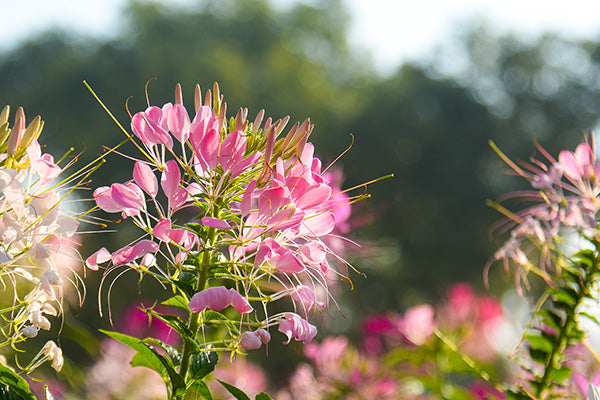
<point>563,297</point>
<point>177,301</point>
<point>237,393</point>
<point>173,322</point>
<point>202,364</point>
<point>145,355</point>
<point>263,396</point>
<point>551,319</point>
<point>171,351</point>
<point>186,283</point>
<point>538,355</point>
<point>539,343</point>
<point>12,386</point>
<point>199,388</point>
<point>511,395</point>
<point>148,357</point>
<point>584,314</point>
<point>560,375</point>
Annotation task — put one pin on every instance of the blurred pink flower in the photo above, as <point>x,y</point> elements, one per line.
<point>418,324</point>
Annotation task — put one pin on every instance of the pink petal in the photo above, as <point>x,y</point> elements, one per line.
<point>215,223</point>
<point>287,263</point>
<point>161,229</point>
<point>99,257</point>
<point>170,178</point>
<point>209,148</point>
<point>314,196</point>
<point>569,164</point>
<point>215,298</point>
<point>232,150</point>
<point>126,196</point>
<point>292,325</point>
<point>178,199</point>
<point>247,198</point>
<point>317,224</point>
<point>144,177</point>
<point>179,122</point>
<point>104,200</point>
<point>240,303</point>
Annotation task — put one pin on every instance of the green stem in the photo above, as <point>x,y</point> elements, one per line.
<point>554,361</point>
<point>194,318</point>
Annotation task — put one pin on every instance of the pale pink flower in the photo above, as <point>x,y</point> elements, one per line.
<point>292,325</point>
<point>217,298</point>
<point>418,324</point>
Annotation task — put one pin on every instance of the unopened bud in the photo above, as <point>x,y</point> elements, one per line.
<point>16,134</point>
<point>32,133</point>
<point>4,115</point>
<point>30,331</point>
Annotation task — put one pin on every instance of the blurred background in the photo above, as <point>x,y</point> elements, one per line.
<point>422,87</point>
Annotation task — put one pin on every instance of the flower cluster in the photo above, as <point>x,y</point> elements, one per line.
<point>38,249</point>
<point>556,238</point>
<point>415,355</point>
<point>565,203</point>
<point>233,217</point>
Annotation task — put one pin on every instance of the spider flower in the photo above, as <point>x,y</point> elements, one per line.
<point>562,205</point>
<point>38,245</point>
<point>238,214</point>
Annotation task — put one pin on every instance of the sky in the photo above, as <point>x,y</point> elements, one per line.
<point>394,31</point>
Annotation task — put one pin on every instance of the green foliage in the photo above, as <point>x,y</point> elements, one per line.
<point>202,364</point>
<point>240,395</point>
<point>558,325</point>
<point>148,357</point>
<point>12,386</point>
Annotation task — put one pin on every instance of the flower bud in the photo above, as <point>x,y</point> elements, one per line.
<point>30,331</point>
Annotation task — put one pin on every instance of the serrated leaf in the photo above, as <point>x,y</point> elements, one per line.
<point>202,364</point>
<point>177,301</point>
<point>235,392</point>
<point>263,396</point>
<point>12,386</point>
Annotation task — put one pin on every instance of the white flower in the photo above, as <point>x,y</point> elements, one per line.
<point>54,354</point>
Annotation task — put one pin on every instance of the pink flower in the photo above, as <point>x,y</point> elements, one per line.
<point>127,254</point>
<point>145,178</point>
<point>252,340</point>
<point>99,257</point>
<point>418,324</point>
<point>151,127</point>
<point>292,325</point>
<point>217,298</point>
<point>271,252</point>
